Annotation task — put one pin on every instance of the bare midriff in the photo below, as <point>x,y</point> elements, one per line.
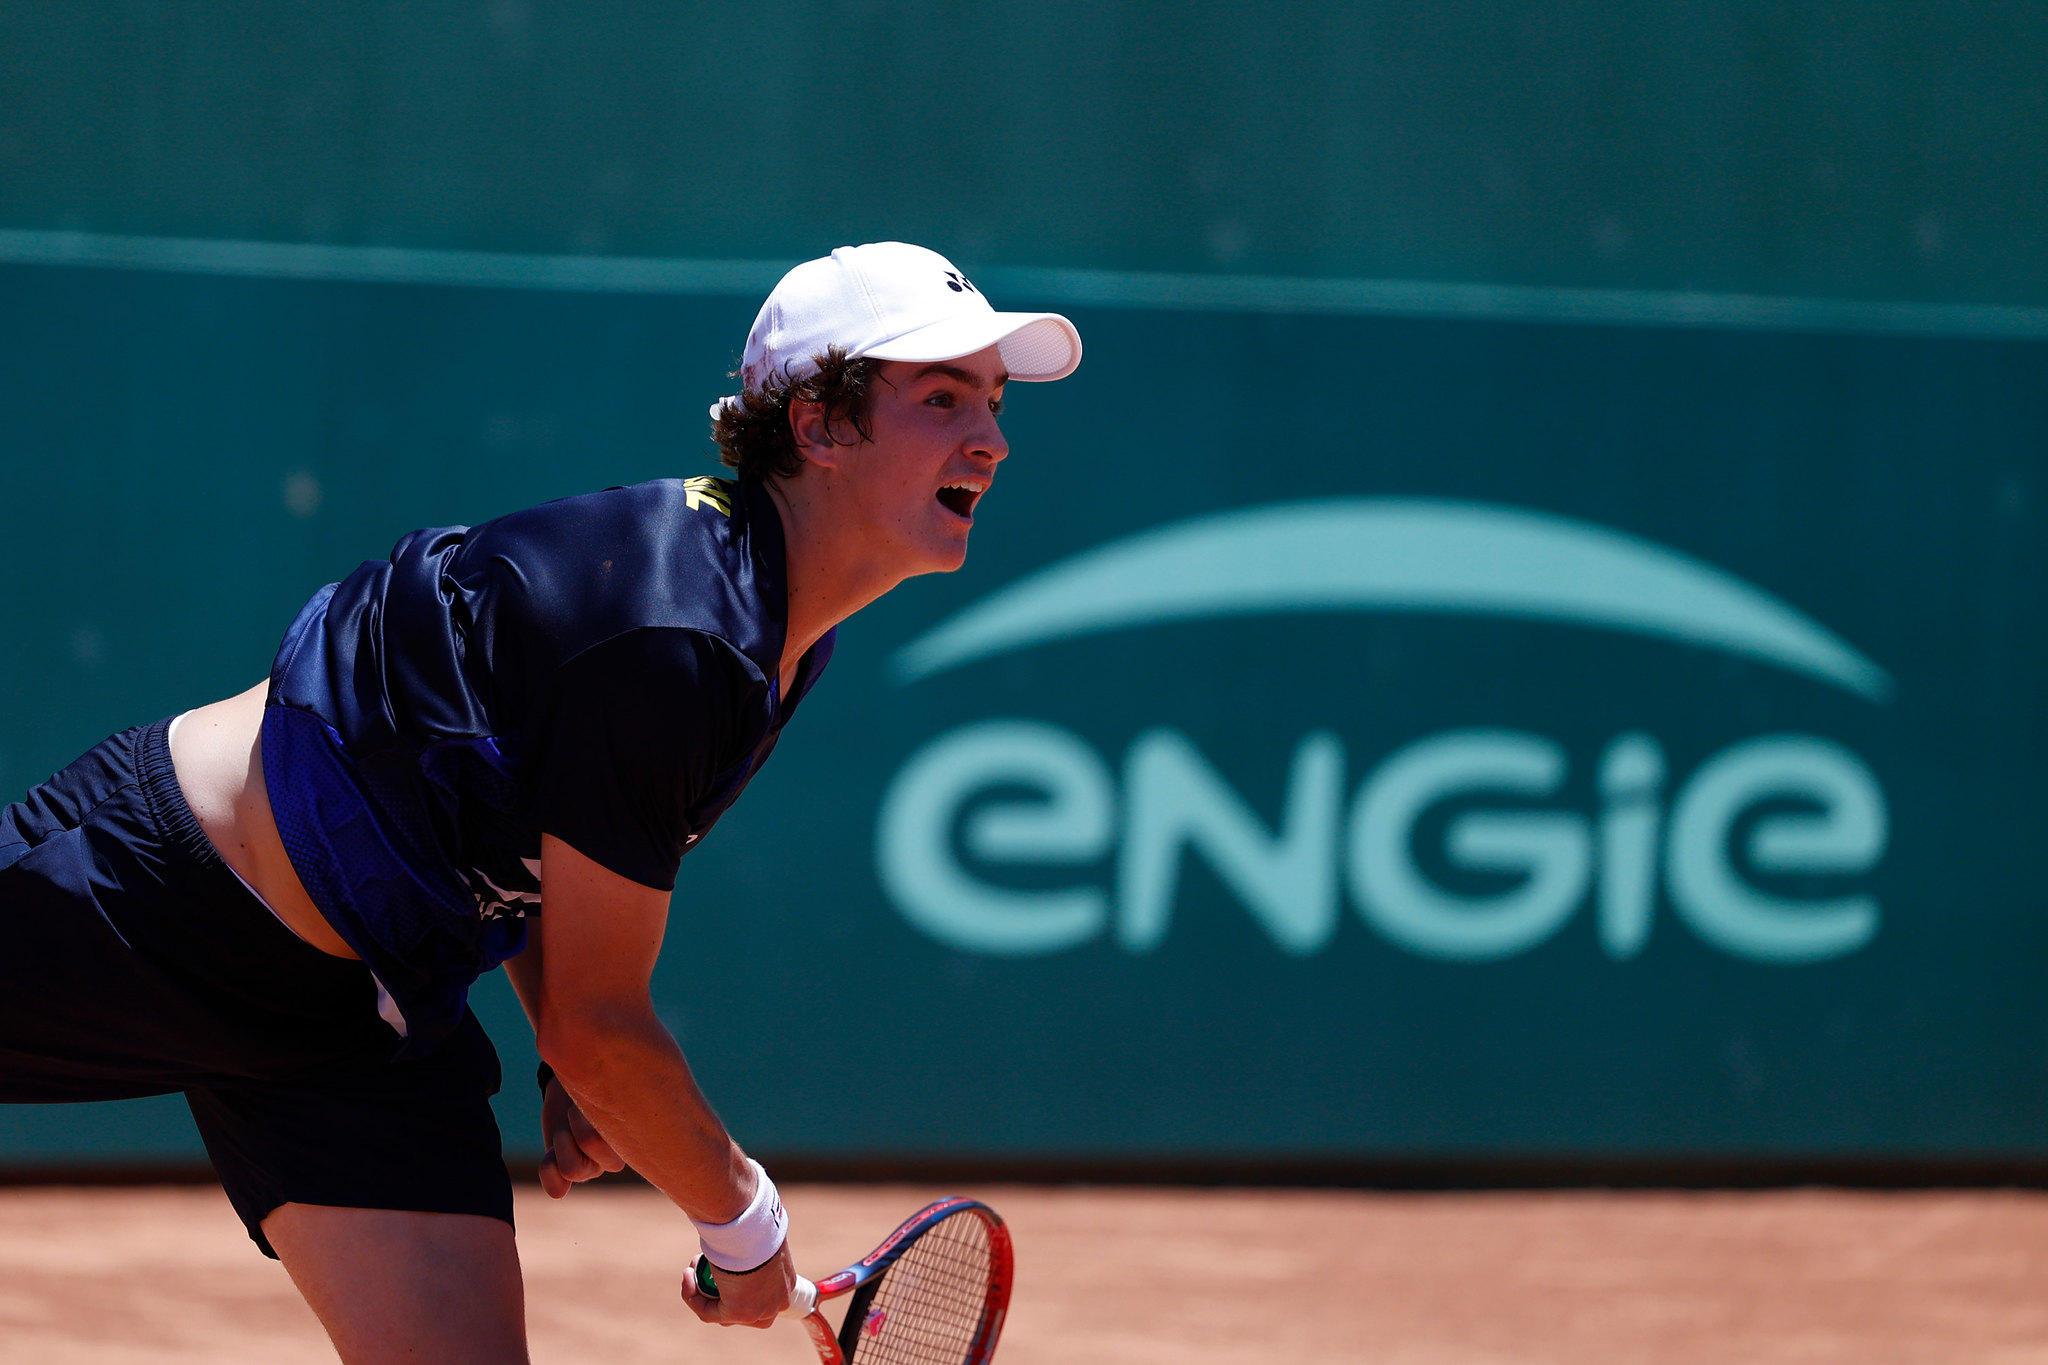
<point>218,756</point>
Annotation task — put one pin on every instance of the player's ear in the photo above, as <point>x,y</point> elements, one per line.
<point>807,426</point>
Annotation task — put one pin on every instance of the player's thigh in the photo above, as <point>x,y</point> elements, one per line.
<point>397,1285</point>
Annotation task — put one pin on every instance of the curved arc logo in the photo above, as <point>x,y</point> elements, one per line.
<point>1801,805</point>
<point>1394,554</point>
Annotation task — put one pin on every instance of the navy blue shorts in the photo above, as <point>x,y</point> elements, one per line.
<point>133,962</point>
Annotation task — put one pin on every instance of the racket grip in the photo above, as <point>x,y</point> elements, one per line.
<point>803,1301</point>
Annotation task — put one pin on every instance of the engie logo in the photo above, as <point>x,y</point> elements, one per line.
<point>1801,804</point>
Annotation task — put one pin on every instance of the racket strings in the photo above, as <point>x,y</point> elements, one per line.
<point>928,1306</point>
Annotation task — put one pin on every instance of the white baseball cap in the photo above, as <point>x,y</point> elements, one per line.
<point>894,301</point>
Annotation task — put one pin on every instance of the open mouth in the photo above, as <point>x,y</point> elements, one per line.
<point>959,499</point>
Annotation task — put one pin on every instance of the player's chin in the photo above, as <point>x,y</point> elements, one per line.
<point>946,550</point>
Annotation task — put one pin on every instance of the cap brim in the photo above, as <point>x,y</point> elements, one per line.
<point>1035,346</point>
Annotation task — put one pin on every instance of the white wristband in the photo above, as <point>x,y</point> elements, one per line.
<point>751,1240</point>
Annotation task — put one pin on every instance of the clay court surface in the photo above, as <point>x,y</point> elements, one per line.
<point>101,1276</point>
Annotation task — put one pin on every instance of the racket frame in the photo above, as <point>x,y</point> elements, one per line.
<point>835,1347</point>
<point>868,1270</point>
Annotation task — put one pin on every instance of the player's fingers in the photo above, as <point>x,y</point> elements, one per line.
<point>703,1305</point>
<point>721,1311</point>
<point>573,1162</point>
<point>593,1143</point>
<point>551,1178</point>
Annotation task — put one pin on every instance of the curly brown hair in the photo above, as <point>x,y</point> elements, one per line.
<point>753,433</point>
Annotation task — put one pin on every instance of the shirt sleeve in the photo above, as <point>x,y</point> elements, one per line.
<point>635,731</point>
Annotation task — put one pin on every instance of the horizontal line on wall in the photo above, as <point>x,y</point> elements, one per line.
<point>1520,303</point>
<point>1049,286</point>
<point>390,264</point>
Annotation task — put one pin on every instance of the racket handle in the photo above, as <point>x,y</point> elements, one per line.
<point>803,1301</point>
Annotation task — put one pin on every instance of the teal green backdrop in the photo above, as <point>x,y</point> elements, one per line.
<point>1525,636</point>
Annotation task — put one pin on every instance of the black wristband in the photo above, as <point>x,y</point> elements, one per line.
<point>544,1075</point>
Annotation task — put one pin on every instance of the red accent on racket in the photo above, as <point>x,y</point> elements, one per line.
<point>933,1293</point>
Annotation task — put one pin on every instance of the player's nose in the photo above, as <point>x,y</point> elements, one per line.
<point>987,439</point>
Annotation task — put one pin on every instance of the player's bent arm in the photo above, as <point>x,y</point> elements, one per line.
<point>595,1023</point>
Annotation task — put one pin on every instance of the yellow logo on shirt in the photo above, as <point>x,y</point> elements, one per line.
<point>717,492</point>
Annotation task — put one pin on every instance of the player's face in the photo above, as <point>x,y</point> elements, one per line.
<point>932,457</point>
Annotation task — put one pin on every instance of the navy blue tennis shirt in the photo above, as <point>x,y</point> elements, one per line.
<point>603,668</point>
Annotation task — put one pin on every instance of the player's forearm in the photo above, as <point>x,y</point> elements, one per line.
<point>631,1080</point>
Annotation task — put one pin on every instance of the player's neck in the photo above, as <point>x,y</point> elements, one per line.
<point>830,574</point>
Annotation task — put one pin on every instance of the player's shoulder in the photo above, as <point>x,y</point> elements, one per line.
<point>720,498</point>
<point>699,554</point>
<point>693,526</point>
<point>705,506</point>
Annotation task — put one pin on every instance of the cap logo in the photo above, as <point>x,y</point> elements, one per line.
<point>959,283</point>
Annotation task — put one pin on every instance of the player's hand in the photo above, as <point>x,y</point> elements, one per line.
<point>576,1151</point>
<point>750,1300</point>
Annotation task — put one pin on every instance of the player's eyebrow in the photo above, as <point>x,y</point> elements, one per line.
<point>967,377</point>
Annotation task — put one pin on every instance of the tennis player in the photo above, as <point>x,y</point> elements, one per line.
<point>495,746</point>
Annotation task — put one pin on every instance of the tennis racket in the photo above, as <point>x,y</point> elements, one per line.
<point>934,1293</point>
